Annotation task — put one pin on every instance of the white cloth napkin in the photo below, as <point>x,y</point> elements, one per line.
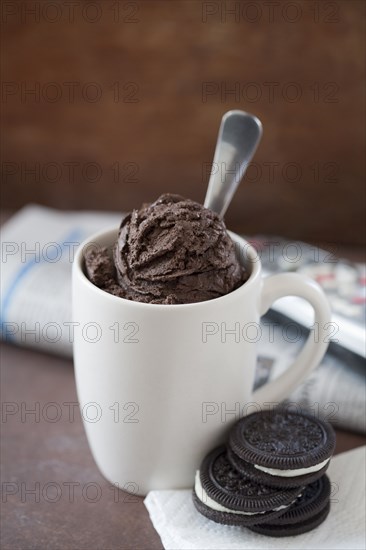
<point>181,527</point>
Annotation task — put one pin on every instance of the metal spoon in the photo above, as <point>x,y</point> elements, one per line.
<point>238,138</point>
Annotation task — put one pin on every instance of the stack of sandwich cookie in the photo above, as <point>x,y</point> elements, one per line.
<point>270,478</point>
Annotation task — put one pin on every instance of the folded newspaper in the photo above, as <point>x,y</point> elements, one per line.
<point>38,245</point>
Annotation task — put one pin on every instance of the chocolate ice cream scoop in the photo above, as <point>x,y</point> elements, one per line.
<point>175,251</point>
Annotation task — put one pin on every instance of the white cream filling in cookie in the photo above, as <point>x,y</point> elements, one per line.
<point>292,473</point>
<point>208,501</point>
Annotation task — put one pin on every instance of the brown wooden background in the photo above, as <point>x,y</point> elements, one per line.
<point>129,96</point>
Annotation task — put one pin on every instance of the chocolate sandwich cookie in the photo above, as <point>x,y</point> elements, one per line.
<point>250,471</point>
<point>281,448</point>
<point>224,495</point>
<point>308,511</point>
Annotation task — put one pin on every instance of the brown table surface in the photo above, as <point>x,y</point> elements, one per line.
<point>41,459</point>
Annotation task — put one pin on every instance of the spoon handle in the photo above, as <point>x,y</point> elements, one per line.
<point>238,138</point>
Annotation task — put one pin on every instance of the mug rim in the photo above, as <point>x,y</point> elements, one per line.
<point>251,256</point>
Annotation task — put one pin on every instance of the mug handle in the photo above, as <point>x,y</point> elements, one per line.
<point>294,284</point>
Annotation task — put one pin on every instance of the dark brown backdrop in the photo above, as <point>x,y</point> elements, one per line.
<point>107,104</point>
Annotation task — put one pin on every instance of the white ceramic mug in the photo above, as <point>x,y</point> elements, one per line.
<point>156,383</point>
